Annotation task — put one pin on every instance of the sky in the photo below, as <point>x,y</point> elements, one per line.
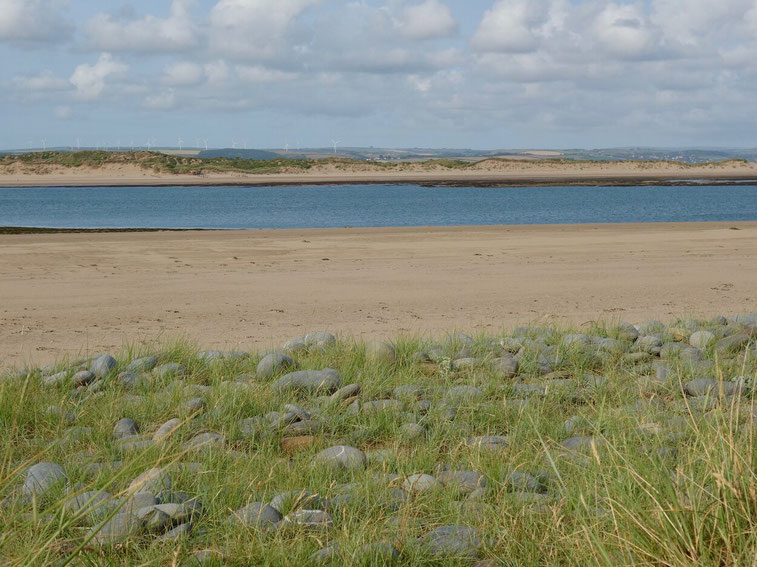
<point>479,74</point>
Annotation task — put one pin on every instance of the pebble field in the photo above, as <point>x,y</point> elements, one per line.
<point>609,444</point>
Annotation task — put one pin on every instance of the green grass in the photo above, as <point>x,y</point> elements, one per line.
<point>620,504</point>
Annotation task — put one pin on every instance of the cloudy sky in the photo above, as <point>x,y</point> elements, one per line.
<point>400,73</point>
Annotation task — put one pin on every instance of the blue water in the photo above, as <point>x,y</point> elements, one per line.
<point>366,205</point>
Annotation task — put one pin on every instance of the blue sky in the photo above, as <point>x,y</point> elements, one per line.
<point>398,73</point>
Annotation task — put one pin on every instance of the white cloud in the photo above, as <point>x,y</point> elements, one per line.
<point>33,21</point>
<point>624,30</point>
<point>260,74</point>
<point>428,20</point>
<point>183,73</point>
<point>253,29</point>
<point>217,72</point>
<point>689,22</point>
<point>164,100</point>
<point>176,32</point>
<point>90,80</point>
<point>46,81</point>
<point>511,26</point>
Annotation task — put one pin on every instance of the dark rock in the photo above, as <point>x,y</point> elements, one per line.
<point>125,427</point>
<point>56,379</point>
<point>103,365</point>
<point>309,519</point>
<point>166,430</point>
<point>342,457</point>
<point>465,482</point>
<point>517,481</point>
<point>192,406</point>
<point>380,352</point>
<point>701,339</point>
<point>627,332</point>
<point>144,364</point>
<point>130,379</point>
<point>295,500</point>
<point>169,369</point>
<point>205,441</point>
<point>152,481</point>
<point>319,340</point>
<point>411,432</point>
<point>489,442</point>
<point>42,477</point>
<point>82,378</point>
<point>116,530</point>
<point>418,483</point>
<point>463,393</point>
<point>732,344</point>
<point>378,406</point>
<point>312,381</point>
<point>95,504</point>
<point>381,553</point>
<point>345,392</point>
<point>452,541</point>
<point>273,363</point>
<point>256,515</point>
<point>707,386</point>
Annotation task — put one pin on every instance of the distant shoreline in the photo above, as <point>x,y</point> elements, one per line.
<point>426,181</point>
<point>42,230</point>
<point>150,170</point>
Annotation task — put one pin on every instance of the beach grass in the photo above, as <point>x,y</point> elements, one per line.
<point>665,478</point>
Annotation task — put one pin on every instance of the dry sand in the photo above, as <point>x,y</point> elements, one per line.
<point>70,293</point>
<point>487,172</point>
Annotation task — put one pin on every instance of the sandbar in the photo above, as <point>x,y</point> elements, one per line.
<point>82,293</point>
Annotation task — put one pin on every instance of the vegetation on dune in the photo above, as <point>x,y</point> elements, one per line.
<point>44,162</point>
<point>657,477</point>
<point>154,161</point>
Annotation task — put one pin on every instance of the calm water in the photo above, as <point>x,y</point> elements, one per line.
<point>366,205</point>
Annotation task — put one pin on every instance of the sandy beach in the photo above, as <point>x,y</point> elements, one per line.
<point>85,293</point>
<point>486,172</point>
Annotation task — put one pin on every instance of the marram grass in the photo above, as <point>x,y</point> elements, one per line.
<point>665,481</point>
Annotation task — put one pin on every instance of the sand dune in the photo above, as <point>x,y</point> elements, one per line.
<point>69,293</point>
<point>489,171</point>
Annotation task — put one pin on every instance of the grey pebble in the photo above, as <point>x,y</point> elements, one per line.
<point>274,363</point>
<point>311,381</point>
<point>342,457</point>
<point>103,365</point>
<point>125,427</point>
<point>40,478</point>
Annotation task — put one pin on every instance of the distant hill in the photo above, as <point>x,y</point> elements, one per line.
<point>233,153</point>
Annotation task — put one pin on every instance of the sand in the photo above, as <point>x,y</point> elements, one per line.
<point>63,294</point>
<point>487,172</point>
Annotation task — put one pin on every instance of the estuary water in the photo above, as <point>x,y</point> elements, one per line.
<point>332,206</point>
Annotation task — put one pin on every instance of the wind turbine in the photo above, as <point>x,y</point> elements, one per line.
<point>132,144</point>
<point>197,142</point>
<point>149,144</point>
<point>206,144</point>
<point>78,145</point>
<point>44,144</point>
<point>181,143</point>
<point>286,147</point>
<point>234,144</point>
<point>336,143</point>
